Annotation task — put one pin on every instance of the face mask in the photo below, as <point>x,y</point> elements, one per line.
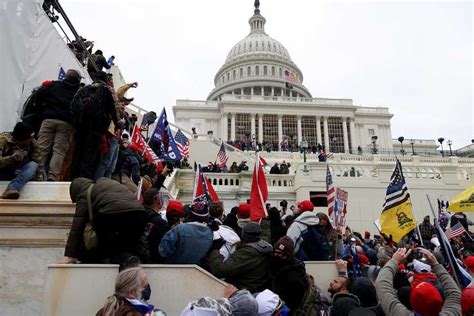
<point>146,293</point>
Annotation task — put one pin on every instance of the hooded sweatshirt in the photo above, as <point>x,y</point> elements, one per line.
<point>300,226</point>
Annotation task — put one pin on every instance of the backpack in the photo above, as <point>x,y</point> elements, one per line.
<point>32,111</point>
<point>315,246</point>
<point>88,106</point>
<point>90,235</point>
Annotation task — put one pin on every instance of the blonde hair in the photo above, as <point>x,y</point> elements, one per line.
<point>129,279</point>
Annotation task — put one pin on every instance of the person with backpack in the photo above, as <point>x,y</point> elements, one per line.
<point>115,215</point>
<point>310,241</point>
<point>93,109</point>
<point>56,129</point>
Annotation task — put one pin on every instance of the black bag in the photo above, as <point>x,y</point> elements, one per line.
<point>32,112</point>
<point>88,106</point>
<point>315,246</point>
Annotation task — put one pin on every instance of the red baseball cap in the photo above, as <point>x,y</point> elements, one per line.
<point>305,206</point>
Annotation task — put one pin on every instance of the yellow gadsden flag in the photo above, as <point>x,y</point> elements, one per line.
<point>397,217</point>
<point>464,202</point>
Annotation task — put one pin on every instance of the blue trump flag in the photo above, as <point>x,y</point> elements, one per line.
<point>461,276</point>
<point>162,134</point>
<point>62,74</point>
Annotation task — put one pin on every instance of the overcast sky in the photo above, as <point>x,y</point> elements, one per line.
<point>413,57</point>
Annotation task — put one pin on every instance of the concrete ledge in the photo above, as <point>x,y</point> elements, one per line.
<point>42,191</point>
<point>82,289</point>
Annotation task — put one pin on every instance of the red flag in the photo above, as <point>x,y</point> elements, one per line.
<point>140,145</point>
<point>203,190</point>
<point>259,192</point>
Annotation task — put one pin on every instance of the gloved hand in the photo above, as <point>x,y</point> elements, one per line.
<point>217,244</point>
<point>19,155</point>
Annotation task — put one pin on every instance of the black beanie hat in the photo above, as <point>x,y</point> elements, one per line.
<point>251,232</point>
<point>21,131</point>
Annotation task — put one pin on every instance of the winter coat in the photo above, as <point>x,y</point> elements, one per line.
<point>158,230</point>
<point>187,243</point>
<point>108,197</point>
<point>289,281</point>
<point>391,304</point>
<point>363,288</point>
<point>99,61</point>
<point>299,227</point>
<point>8,148</point>
<point>311,304</point>
<point>57,98</point>
<point>247,268</point>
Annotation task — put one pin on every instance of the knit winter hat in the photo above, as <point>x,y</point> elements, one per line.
<point>467,300</point>
<point>426,299</point>
<point>366,234</point>
<point>364,289</point>
<point>244,304</point>
<point>251,232</point>
<point>198,212</point>
<point>344,303</point>
<point>284,248</point>
<point>305,206</point>
<point>244,210</point>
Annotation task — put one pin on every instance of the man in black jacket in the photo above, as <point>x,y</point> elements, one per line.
<point>99,60</point>
<point>56,130</point>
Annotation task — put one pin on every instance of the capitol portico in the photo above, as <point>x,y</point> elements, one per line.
<point>253,98</point>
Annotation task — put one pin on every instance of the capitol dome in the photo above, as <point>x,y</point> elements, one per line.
<point>259,65</point>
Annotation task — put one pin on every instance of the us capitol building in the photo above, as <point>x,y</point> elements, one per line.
<point>251,99</point>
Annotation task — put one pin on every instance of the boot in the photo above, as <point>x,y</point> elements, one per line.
<point>11,194</point>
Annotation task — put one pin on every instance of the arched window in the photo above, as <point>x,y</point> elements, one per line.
<point>249,71</point>
<point>257,71</point>
<point>273,71</point>
<point>241,72</point>
<point>280,71</point>
<point>228,76</point>
<point>264,70</point>
<point>234,74</point>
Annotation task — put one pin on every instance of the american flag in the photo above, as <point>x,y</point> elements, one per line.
<point>182,142</point>
<point>331,192</point>
<point>456,230</point>
<point>289,76</point>
<point>222,156</point>
<point>62,74</point>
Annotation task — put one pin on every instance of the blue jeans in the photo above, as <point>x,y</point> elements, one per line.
<point>108,161</point>
<point>20,176</point>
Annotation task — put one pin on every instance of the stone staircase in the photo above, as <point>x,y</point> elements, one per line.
<point>40,218</point>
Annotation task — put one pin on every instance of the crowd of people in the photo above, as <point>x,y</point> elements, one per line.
<point>70,130</point>
<point>262,261</point>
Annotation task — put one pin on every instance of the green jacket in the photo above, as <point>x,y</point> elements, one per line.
<point>247,268</point>
<point>8,147</point>
<point>392,306</point>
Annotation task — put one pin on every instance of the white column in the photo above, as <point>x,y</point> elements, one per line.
<point>260,128</point>
<point>352,131</point>
<point>232,126</point>
<point>273,91</point>
<point>318,130</point>
<point>262,90</point>
<point>251,91</point>
<point>381,141</point>
<point>252,125</point>
<point>344,132</point>
<point>224,120</point>
<point>326,133</point>
<point>241,91</point>
<point>280,130</point>
<point>300,131</point>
